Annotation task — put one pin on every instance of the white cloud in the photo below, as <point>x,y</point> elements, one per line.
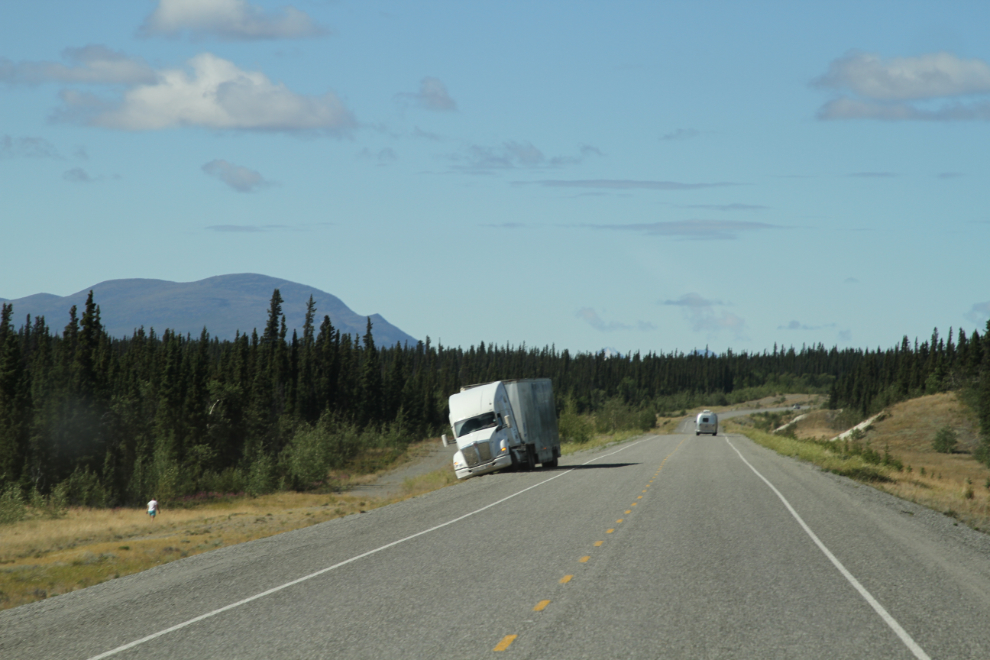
<point>680,134</point>
<point>27,147</point>
<point>77,175</point>
<point>726,207</point>
<point>700,313</point>
<point>239,178</point>
<point>381,157</point>
<point>231,20</point>
<point>979,313</point>
<point>591,317</point>
<point>92,64</point>
<point>691,229</point>
<point>432,95</point>
<point>889,90</point>
<point>629,184</point>
<point>797,325</point>
<point>427,135</point>
<point>215,94</point>
<point>515,155</point>
<point>845,108</point>
<point>930,76</point>
<point>250,229</point>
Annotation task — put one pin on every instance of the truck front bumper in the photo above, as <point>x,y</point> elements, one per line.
<point>500,462</point>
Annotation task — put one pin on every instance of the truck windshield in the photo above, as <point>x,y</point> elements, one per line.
<point>483,421</point>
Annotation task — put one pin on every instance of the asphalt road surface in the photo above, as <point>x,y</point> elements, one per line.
<point>676,546</point>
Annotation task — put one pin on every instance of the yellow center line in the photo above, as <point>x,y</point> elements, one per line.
<point>598,544</point>
<point>640,497</point>
<point>566,579</point>
<point>671,454</point>
<point>504,644</point>
<point>620,520</point>
<point>628,512</point>
<point>540,606</point>
<point>633,504</point>
<point>609,531</point>
<point>584,560</point>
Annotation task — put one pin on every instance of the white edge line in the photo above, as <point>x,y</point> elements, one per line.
<point>249,599</point>
<point>877,607</point>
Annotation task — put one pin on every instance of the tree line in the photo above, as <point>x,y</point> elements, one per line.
<point>111,421</point>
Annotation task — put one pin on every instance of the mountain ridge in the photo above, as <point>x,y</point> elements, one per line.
<point>223,304</point>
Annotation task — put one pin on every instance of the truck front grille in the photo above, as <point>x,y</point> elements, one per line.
<point>484,451</point>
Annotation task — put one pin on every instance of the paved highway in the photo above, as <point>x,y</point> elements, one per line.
<point>664,547</point>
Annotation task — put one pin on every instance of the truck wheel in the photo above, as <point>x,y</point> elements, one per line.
<point>697,432</point>
<point>530,458</point>
<point>550,464</point>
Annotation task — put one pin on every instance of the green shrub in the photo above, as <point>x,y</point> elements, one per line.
<point>11,505</point>
<point>261,476</point>
<point>83,488</point>
<point>574,428</point>
<point>945,441</point>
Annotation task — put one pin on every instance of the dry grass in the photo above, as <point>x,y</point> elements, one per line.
<point>955,484</point>
<point>42,558</point>
<point>605,439</point>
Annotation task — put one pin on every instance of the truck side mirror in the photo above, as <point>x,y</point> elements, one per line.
<point>508,422</point>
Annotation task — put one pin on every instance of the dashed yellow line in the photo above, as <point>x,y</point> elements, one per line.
<point>506,641</point>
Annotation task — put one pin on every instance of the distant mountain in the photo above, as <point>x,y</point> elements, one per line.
<point>223,304</point>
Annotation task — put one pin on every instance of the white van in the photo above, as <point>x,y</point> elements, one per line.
<point>707,422</point>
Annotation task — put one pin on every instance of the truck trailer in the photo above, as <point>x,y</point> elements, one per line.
<point>508,423</point>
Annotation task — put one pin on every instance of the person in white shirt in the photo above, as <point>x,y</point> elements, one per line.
<point>153,508</point>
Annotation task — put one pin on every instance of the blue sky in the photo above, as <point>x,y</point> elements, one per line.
<point>649,176</point>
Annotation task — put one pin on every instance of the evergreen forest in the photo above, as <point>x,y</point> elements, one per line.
<point>105,421</point>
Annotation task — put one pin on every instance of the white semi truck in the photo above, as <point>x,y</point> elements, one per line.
<point>502,424</point>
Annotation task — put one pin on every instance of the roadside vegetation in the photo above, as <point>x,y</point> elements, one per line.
<point>47,552</point>
<point>927,450</point>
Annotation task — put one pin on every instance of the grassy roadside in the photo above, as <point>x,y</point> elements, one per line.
<point>40,558</point>
<point>665,426</point>
<point>953,484</point>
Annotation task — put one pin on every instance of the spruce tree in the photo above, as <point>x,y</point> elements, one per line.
<point>15,403</point>
<point>372,390</point>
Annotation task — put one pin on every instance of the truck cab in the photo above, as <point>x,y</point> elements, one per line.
<point>481,418</point>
